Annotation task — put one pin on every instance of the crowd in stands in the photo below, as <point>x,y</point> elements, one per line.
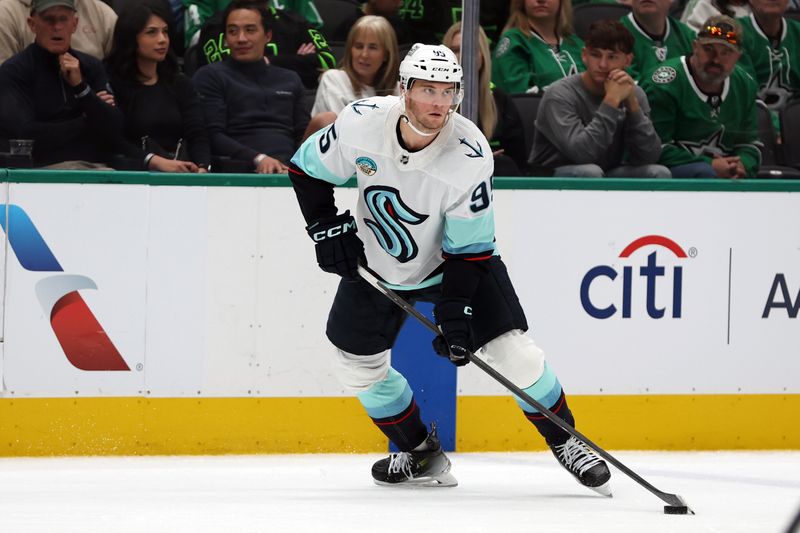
<point>669,89</point>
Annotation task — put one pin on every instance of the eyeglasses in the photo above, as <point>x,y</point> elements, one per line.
<point>722,31</point>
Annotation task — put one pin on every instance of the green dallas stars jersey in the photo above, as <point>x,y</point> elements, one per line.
<point>775,68</point>
<point>524,62</point>
<point>649,53</point>
<point>695,127</point>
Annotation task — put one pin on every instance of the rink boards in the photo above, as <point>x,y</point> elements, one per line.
<point>172,314</point>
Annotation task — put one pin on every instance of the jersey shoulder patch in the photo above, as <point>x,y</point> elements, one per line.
<point>664,74</point>
<point>502,47</point>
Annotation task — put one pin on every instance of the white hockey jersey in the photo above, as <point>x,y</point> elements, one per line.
<point>412,206</point>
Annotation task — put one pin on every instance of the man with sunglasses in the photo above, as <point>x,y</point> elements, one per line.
<point>426,217</point>
<point>702,107</point>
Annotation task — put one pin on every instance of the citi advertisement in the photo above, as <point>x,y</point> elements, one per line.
<point>634,292</point>
<point>651,278</point>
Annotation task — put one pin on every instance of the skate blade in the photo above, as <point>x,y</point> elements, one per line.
<point>604,489</point>
<point>445,479</point>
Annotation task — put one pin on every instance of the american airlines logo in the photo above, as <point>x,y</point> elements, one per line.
<point>84,341</point>
<point>647,274</point>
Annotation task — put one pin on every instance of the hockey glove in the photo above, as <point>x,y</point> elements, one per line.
<point>337,246</point>
<point>453,316</point>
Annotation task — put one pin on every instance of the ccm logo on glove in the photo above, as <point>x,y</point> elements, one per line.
<point>331,232</point>
<point>338,248</point>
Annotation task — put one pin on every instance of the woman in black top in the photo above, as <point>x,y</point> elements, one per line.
<point>163,118</point>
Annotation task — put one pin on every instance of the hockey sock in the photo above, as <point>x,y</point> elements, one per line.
<point>391,406</point>
<point>553,434</point>
<point>406,429</point>
<point>547,391</point>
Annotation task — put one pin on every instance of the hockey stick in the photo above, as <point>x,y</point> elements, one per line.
<point>676,504</point>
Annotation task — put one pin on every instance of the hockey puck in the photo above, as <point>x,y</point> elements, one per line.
<point>676,509</point>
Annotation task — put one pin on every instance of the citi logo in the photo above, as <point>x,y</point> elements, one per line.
<point>84,341</point>
<point>648,276</point>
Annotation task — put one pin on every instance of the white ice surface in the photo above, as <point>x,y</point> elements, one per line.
<point>498,492</point>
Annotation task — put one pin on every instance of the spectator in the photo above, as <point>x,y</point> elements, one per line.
<point>369,67</point>
<point>703,107</point>
<point>657,36</point>
<point>93,35</point>
<point>537,46</point>
<point>697,11</point>
<point>294,45</point>
<point>596,123</point>
<point>771,51</point>
<point>196,12</point>
<point>57,96</point>
<point>388,9</point>
<point>253,110</point>
<point>163,118</point>
<point>175,9</point>
<point>498,117</point>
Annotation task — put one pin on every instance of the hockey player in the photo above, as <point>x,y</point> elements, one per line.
<point>425,214</point>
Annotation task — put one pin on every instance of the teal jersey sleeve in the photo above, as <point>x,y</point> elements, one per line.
<point>469,224</point>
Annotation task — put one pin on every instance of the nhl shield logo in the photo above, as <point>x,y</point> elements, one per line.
<point>661,52</point>
<point>664,75</point>
<point>366,165</point>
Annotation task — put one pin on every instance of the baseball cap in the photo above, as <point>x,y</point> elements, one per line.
<point>37,6</point>
<point>721,29</point>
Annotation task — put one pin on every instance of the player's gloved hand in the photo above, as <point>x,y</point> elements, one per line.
<point>453,317</point>
<point>337,246</point>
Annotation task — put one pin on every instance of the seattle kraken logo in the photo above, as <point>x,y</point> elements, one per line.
<point>390,211</point>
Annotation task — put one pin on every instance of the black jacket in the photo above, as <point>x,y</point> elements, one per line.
<point>66,123</point>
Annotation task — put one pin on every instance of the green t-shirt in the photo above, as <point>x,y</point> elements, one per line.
<point>649,53</point>
<point>775,66</point>
<point>522,62</point>
<point>695,127</point>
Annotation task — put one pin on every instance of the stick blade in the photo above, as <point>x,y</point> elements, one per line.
<point>677,505</point>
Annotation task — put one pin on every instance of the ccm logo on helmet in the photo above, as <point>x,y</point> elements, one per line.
<point>334,231</point>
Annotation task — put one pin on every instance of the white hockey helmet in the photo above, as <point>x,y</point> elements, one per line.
<point>433,63</point>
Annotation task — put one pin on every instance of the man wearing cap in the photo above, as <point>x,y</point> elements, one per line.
<point>703,107</point>
<point>93,36</point>
<point>57,96</point>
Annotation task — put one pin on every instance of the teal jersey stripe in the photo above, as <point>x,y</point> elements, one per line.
<point>388,397</point>
<point>469,235</point>
<point>308,160</point>
<point>546,391</point>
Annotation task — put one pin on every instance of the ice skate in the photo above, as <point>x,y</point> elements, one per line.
<point>581,462</point>
<point>425,468</point>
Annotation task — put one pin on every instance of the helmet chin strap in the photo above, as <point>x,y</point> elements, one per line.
<point>418,131</point>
